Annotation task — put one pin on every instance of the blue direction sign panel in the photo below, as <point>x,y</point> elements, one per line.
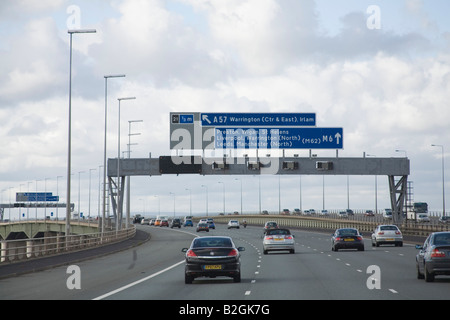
<point>35,196</point>
<point>279,138</point>
<point>258,119</point>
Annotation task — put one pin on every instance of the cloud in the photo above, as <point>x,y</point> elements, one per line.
<point>35,65</point>
<point>387,89</point>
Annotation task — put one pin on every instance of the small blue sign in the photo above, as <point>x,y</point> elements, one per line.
<point>279,138</point>
<point>258,119</point>
<point>186,118</point>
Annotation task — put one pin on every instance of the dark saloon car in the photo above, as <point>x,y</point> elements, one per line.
<point>347,238</point>
<point>212,257</point>
<point>175,223</point>
<point>433,258</point>
<point>202,226</point>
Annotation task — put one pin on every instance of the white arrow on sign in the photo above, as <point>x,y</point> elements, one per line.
<point>205,118</point>
<point>338,136</point>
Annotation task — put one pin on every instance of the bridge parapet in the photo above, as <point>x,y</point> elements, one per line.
<point>35,239</point>
<point>35,228</point>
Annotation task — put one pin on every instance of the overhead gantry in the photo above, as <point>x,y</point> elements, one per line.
<point>396,169</point>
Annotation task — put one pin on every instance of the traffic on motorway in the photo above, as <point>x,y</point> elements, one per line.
<point>259,262</point>
<point>209,257</point>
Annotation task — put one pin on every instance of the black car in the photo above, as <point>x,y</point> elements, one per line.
<point>212,257</point>
<point>433,258</point>
<point>347,238</point>
<point>175,223</point>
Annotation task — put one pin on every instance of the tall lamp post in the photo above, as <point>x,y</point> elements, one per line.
<point>69,152</point>
<point>104,146</point>
<point>443,179</point>
<point>129,156</point>
<point>223,183</point>
<point>119,211</point>
<point>206,187</point>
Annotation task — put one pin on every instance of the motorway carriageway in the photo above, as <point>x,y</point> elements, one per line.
<point>154,270</point>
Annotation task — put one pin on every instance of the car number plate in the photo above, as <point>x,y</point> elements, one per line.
<point>213,267</point>
<point>390,239</point>
<point>278,239</point>
<point>349,239</point>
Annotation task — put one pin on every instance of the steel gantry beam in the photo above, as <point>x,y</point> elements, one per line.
<point>391,167</point>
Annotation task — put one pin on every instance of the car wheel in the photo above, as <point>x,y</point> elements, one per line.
<point>237,278</point>
<point>265,251</point>
<point>188,279</point>
<point>292,251</point>
<point>419,275</point>
<point>429,277</point>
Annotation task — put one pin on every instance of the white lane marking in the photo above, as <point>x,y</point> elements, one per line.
<point>393,291</point>
<point>138,281</point>
<point>247,293</point>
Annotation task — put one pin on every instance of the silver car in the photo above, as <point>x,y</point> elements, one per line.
<point>278,240</point>
<point>434,256</point>
<point>387,234</point>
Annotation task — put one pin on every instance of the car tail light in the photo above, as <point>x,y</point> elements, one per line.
<point>359,238</point>
<point>190,253</point>
<point>268,238</point>
<point>233,253</point>
<point>437,254</point>
<point>398,232</point>
<point>289,237</point>
<point>380,233</point>
<point>338,239</point>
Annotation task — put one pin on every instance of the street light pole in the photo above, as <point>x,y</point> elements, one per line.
<point>104,147</point>
<point>69,145</point>
<point>128,178</point>
<point>240,180</point>
<point>223,183</point>
<point>443,178</point>
<point>119,211</point>
<point>206,187</point>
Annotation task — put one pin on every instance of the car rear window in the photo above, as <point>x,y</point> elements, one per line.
<point>348,232</point>
<point>278,232</point>
<point>212,242</point>
<point>442,239</point>
<point>394,228</point>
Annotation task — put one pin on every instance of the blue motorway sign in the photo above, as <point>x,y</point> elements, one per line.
<point>35,196</point>
<point>258,119</point>
<point>279,138</point>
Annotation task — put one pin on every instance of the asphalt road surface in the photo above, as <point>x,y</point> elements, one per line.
<point>154,270</point>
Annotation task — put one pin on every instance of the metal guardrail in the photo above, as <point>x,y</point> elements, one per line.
<point>24,249</point>
<point>331,223</point>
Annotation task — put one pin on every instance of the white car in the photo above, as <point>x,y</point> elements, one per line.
<point>277,240</point>
<point>343,214</point>
<point>423,218</point>
<point>233,224</point>
<point>387,234</point>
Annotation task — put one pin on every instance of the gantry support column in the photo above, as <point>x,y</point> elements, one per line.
<point>398,197</point>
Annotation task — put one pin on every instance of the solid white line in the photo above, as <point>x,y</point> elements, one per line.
<point>138,281</point>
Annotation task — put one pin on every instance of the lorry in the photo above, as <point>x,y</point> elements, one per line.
<point>416,210</point>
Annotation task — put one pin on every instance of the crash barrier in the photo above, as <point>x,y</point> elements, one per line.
<point>323,223</point>
<point>23,249</point>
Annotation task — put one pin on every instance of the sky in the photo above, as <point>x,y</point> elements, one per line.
<point>379,69</point>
